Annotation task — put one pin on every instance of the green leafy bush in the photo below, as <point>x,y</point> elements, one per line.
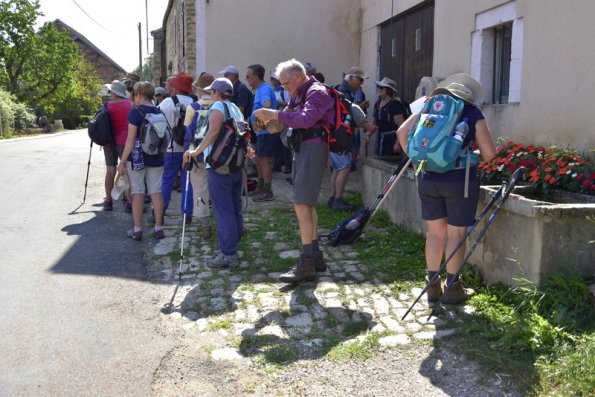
<point>15,115</point>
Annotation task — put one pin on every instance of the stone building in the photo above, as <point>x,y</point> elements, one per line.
<point>107,69</point>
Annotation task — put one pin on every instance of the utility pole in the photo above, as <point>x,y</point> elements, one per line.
<point>147,24</point>
<point>140,51</point>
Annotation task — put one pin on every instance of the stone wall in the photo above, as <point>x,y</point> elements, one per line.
<point>106,71</point>
<point>180,39</point>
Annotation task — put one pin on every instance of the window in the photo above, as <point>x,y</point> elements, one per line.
<point>502,48</point>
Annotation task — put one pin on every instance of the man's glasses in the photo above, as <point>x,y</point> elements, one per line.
<point>284,85</point>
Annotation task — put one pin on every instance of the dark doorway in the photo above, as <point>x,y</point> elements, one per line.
<point>407,48</point>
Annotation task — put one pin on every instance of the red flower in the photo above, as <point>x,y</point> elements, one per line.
<point>587,184</point>
<point>548,169</point>
<point>562,171</point>
<point>592,177</point>
<point>580,176</point>
<point>552,181</point>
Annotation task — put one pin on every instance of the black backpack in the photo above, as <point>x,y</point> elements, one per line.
<point>100,128</point>
<point>179,130</point>
<point>340,135</point>
<point>228,152</point>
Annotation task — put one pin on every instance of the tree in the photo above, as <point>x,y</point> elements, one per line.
<point>147,74</point>
<point>17,19</point>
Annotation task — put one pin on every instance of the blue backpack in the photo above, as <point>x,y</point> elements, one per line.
<point>432,146</point>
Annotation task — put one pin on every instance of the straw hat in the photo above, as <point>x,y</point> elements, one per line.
<point>204,80</point>
<point>388,83</point>
<point>356,71</point>
<point>462,86</point>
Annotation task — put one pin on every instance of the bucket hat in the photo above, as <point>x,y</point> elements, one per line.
<point>388,83</point>
<point>204,80</point>
<point>462,86</point>
<point>182,82</point>
<point>356,71</point>
<point>118,88</point>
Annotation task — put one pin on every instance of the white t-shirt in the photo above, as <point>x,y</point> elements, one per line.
<point>169,110</point>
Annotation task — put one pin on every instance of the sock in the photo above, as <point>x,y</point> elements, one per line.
<point>315,247</point>
<point>158,228</point>
<point>431,275</point>
<point>307,250</point>
<point>267,186</point>
<point>138,229</point>
<point>451,278</point>
<point>205,221</point>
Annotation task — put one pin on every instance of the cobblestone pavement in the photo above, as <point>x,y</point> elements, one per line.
<point>246,314</point>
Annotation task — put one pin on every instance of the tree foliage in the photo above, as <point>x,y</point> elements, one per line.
<point>44,69</point>
<point>147,72</point>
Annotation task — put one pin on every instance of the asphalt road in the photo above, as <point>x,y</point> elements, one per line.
<point>77,313</point>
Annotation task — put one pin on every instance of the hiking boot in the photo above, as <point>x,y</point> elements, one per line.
<point>319,262</point>
<point>434,291</point>
<point>256,192</point>
<point>222,261</point>
<point>108,205</point>
<point>264,196</point>
<point>137,236</point>
<point>159,234</point>
<point>339,206</point>
<point>455,293</point>
<point>207,232</point>
<point>304,270</point>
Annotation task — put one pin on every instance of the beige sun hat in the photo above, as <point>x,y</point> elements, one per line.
<point>388,83</point>
<point>204,80</point>
<point>462,86</point>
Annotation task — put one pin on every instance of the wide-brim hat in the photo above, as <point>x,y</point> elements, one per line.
<point>182,82</point>
<point>462,86</point>
<point>204,80</point>
<point>356,71</point>
<point>388,83</point>
<point>118,88</point>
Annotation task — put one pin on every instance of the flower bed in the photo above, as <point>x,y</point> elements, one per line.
<point>549,169</point>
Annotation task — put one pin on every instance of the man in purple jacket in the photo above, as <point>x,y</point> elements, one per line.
<point>310,109</point>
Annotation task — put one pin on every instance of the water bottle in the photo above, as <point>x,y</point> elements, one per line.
<point>461,130</point>
<point>348,119</point>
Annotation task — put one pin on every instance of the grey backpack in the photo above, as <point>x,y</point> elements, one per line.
<point>154,133</point>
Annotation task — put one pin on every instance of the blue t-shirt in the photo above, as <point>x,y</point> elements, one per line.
<point>473,115</point>
<point>263,94</point>
<point>136,118</point>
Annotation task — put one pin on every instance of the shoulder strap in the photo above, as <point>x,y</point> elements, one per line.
<point>175,99</point>
<point>226,111</point>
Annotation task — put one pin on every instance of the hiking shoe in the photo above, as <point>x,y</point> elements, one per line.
<point>303,270</point>
<point>330,201</point>
<point>341,206</point>
<point>207,232</point>
<point>455,293</point>
<point>256,192</point>
<point>264,196</point>
<point>222,261</point>
<point>159,234</point>
<point>137,236</point>
<point>434,291</point>
<point>108,205</point>
<point>319,262</point>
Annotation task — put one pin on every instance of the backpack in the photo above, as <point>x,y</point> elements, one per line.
<point>340,136</point>
<point>100,128</point>
<point>432,146</point>
<point>179,130</point>
<point>154,133</point>
<point>228,152</point>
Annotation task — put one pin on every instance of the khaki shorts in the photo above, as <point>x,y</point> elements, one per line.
<point>151,176</point>
<point>112,154</point>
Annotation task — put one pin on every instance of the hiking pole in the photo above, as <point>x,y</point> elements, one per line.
<point>168,308</point>
<point>507,190</point>
<point>470,230</point>
<point>88,166</point>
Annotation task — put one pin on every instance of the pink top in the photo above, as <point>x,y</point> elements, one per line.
<point>118,111</point>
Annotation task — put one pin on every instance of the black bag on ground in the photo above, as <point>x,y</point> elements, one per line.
<point>228,152</point>
<point>179,130</point>
<point>100,128</point>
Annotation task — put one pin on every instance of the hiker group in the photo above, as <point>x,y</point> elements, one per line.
<point>210,128</point>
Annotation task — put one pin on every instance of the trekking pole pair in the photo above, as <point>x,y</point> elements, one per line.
<point>168,308</point>
<point>499,196</point>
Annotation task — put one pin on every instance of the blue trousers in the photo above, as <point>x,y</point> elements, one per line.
<point>226,199</point>
<point>173,164</point>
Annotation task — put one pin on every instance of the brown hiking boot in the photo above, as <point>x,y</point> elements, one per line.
<point>434,291</point>
<point>455,293</point>
<point>207,232</point>
<point>303,270</point>
<point>319,262</point>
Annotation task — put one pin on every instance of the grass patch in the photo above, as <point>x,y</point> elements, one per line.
<point>220,324</point>
<point>543,335</point>
<point>359,350</point>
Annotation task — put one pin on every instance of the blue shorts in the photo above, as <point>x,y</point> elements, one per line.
<point>446,200</point>
<point>340,161</point>
<point>267,145</point>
